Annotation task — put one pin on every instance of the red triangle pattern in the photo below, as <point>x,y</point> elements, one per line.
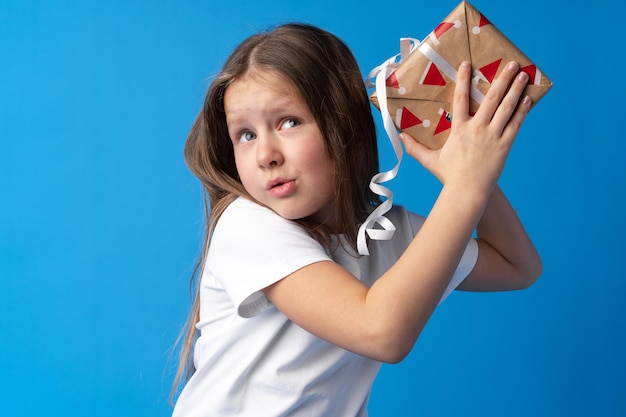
<point>445,122</point>
<point>433,76</point>
<point>443,28</point>
<point>531,70</point>
<point>392,81</point>
<point>489,71</point>
<point>483,21</point>
<point>408,119</point>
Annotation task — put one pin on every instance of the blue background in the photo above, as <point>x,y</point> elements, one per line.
<point>100,221</point>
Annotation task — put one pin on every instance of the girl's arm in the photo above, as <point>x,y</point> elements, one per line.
<point>507,259</point>
<point>384,321</point>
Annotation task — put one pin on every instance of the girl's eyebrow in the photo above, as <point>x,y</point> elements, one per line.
<point>282,105</point>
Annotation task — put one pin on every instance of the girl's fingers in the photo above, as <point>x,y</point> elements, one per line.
<point>514,123</point>
<point>419,152</point>
<point>497,91</point>
<point>510,101</point>
<point>414,148</point>
<point>460,107</point>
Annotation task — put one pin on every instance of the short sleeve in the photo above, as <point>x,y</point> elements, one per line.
<point>252,248</point>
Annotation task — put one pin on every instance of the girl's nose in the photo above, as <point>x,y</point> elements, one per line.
<point>268,151</point>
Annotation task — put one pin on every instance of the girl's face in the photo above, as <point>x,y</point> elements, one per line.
<point>279,149</point>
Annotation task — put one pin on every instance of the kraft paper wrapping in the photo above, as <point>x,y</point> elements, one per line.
<point>420,90</point>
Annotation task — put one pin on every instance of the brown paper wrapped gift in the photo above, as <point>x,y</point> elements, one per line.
<point>420,90</point>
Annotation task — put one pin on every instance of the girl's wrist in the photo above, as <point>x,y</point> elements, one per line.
<point>469,194</point>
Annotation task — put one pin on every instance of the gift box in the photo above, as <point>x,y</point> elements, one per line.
<point>420,88</point>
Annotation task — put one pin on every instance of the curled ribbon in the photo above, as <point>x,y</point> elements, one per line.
<point>385,229</point>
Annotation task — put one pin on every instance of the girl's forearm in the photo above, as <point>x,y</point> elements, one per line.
<point>502,229</point>
<point>419,278</point>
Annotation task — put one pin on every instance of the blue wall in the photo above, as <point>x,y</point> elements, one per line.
<point>100,221</point>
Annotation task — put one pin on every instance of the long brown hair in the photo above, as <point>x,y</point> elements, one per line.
<point>325,73</point>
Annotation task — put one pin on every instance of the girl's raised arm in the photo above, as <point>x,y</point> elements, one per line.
<point>384,321</point>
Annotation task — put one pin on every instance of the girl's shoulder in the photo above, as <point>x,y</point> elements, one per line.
<point>242,204</point>
<point>246,213</point>
<point>245,222</point>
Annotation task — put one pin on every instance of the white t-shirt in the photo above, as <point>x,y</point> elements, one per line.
<point>251,360</point>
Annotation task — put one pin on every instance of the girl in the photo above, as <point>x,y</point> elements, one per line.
<point>291,320</point>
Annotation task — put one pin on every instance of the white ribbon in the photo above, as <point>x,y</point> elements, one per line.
<point>386,228</point>
<point>448,69</point>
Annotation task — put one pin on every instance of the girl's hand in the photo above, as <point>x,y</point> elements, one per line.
<point>477,148</point>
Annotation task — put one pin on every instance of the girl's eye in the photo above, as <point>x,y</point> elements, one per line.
<point>247,137</point>
<point>289,123</point>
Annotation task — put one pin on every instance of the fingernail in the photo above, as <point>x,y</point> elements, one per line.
<point>522,76</point>
<point>513,66</point>
<point>526,100</point>
<point>465,65</point>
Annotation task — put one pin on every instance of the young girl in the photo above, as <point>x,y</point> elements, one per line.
<point>291,320</point>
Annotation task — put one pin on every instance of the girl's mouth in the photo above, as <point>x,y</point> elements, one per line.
<point>281,188</point>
